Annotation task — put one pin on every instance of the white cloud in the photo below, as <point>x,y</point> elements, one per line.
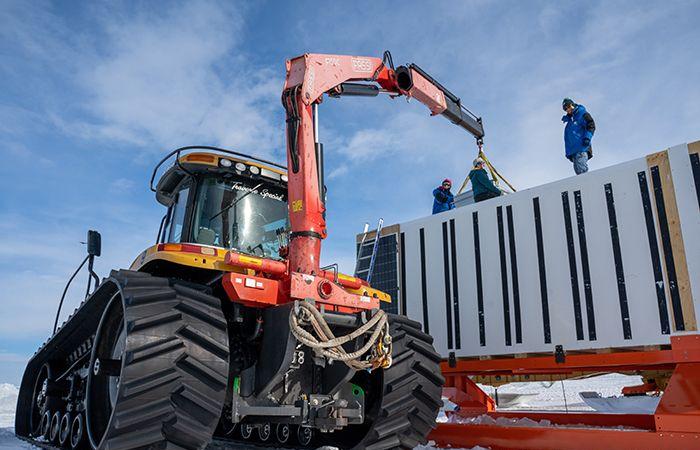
<point>19,151</point>
<point>121,185</point>
<point>338,171</point>
<point>409,134</point>
<point>38,255</point>
<point>161,76</point>
<point>182,73</point>
<point>15,120</point>
<point>369,144</point>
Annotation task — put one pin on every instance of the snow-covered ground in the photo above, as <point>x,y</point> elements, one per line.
<point>8,402</point>
<point>8,441</point>
<point>550,395</point>
<point>547,396</point>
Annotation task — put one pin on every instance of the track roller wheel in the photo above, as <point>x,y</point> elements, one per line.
<point>401,402</point>
<point>264,432</point>
<point>55,427</point>
<point>159,366</point>
<point>39,405</point>
<point>77,432</point>
<point>246,431</point>
<point>226,427</point>
<point>305,435</point>
<point>64,429</point>
<point>231,429</point>
<point>282,433</point>
<point>45,426</point>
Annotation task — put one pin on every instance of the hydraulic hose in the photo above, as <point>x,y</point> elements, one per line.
<point>330,346</point>
<point>60,304</point>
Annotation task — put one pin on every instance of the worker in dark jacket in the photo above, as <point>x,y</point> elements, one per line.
<point>577,135</point>
<point>484,188</point>
<point>443,198</point>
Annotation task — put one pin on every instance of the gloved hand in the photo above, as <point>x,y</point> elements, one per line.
<point>586,142</point>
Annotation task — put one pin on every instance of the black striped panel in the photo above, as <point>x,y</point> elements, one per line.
<point>448,295</point>
<point>455,284</point>
<point>676,305</point>
<point>587,288</point>
<point>424,287</point>
<point>479,286</point>
<point>402,274</point>
<point>573,271</point>
<point>695,165</point>
<point>504,276</point>
<point>654,250</point>
<point>543,272</point>
<point>617,257</point>
<point>514,275</point>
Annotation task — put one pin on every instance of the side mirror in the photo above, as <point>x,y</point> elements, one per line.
<point>94,243</point>
<point>94,248</point>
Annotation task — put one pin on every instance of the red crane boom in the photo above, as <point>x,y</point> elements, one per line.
<point>310,76</point>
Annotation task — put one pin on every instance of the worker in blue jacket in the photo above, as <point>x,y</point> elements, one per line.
<point>577,135</point>
<point>483,187</point>
<point>443,199</point>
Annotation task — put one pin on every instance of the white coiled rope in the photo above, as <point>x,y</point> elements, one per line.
<point>323,340</point>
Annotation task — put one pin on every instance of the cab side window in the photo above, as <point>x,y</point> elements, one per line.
<point>177,216</point>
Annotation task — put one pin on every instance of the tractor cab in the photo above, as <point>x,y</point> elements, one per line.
<point>225,201</point>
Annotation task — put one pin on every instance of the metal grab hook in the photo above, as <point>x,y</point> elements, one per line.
<point>494,172</point>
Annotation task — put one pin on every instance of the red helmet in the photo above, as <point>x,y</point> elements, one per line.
<point>447,180</point>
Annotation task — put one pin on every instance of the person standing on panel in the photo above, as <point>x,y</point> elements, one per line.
<point>577,135</point>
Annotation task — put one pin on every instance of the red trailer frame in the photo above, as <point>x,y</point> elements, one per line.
<point>674,425</point>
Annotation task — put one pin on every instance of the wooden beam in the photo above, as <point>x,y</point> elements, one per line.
<point>661,161</point>
<point>694,147</point>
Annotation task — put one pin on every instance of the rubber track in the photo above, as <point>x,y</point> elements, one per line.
<point>215,444</point>
<point>173,381</point>
<point>412,390</point>
<point>411,399</point>
<point>174,375</point>
<point>173,384</point>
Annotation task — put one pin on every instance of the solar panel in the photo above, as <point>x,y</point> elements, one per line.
<point>385,273</point>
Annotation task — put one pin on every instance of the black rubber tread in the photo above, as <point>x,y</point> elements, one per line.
<point>173,382</point>
<point>215,444</point>
<point>412,390</point>
<point>73,333</point>
<point>174,374</point>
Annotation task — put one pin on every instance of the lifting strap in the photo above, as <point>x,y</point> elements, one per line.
<point>495,175</point>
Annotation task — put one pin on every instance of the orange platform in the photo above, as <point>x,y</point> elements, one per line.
<point>674,425</point>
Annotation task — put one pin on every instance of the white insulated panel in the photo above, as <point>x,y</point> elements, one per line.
<point>606,301</point>
<point>688,199</point>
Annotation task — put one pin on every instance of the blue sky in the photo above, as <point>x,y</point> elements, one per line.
<point>92,94</point>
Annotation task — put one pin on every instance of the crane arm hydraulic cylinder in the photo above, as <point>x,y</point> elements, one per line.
<point>309,77</point>
<point>416,83</point>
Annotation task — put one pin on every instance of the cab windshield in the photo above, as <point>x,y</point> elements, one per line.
<point>245,215</point>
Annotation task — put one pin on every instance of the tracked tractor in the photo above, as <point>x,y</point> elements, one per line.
<point>227,329</point>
